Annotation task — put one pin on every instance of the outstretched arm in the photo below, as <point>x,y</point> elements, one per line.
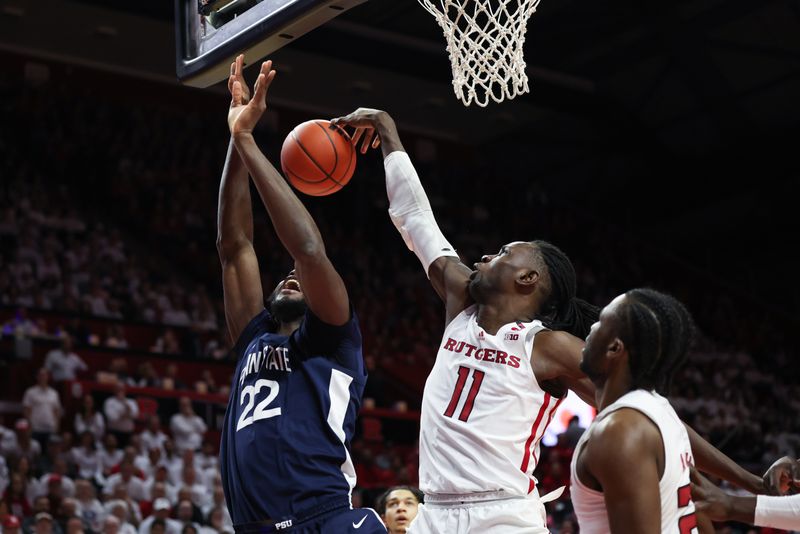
<point>556,361</point>
<point>410,209</point>
<point>241,279</point>
<point>761,510</point>
<point>322,286</point>
<point>709,459</point>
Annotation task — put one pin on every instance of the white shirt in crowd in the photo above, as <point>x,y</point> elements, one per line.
<point>45,408</point>
<point>135,487</point>
<point>187,431</point>
<point>109,459</point>
<point>92,513</point>
<point>64,365</point>
<point>153,440</point>
<point>119,419</point>
<point>94,424</point>
<point>173,526</point>
<point>88,462</point>
<point>67,485</point>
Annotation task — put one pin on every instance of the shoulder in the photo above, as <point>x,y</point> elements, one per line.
<point>624,433</point>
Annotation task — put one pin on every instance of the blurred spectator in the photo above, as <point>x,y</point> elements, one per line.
<point>146,376</point>
<point>74,525</point>
<point>185,514</point>
<point>115,337</point>
<point>88,419</point>
<point>44,524</point>
<point>15,496</point>
<point>134,486</point>
<point>111,525</point>
<point>86,459</point>
<point>109,455</point>
<point>187,427</point>
<point>63,363</point>
<point>152,436</point>
<point>21,326</point>
<point>11,524</point>
<point>42,408</point>
<point>167,343</point>
<point>23,445</point>
<point>121,413</point>
<point>569,438</point>
<point>161,511</point>
<point>171,379</point>
<point>89,508</point>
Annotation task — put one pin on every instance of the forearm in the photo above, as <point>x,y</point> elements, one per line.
<point>235,211</point>
<point>710,460</point>
<point>765,511</point>
<point>411,212</point>
<point>296,229</point>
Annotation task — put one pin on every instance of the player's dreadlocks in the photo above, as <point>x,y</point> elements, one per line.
<point>657,330</point>
<point>562,310</point>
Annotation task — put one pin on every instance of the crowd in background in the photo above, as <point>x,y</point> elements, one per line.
<point>108,210</point>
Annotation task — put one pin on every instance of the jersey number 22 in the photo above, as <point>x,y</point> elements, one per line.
<point>261,412</point>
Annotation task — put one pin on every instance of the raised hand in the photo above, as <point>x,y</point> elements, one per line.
<point>367,123</point>
<point>242,118</point>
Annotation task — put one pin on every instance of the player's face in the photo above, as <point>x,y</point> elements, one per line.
<point>498,272</point>
<point>401,509</point>
<point>600,338</point>
<point>287,303</point>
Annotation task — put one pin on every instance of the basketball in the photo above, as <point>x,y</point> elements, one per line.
<point>316,159</point>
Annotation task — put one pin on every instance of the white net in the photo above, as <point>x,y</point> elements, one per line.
<point>484,41</point>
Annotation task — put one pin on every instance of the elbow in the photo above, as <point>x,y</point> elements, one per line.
<point>309,251</point>
<point>229,247</point>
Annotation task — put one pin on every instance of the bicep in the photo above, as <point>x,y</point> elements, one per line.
<point>324,289</point>
<point>450,279</point>
<point>557,356</point>
<point>241,287</point>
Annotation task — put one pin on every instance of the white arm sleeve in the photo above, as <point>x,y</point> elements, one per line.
<point>411,211</point>
<point>778,512</point>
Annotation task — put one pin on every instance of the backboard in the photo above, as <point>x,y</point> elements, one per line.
<point>210,33</point>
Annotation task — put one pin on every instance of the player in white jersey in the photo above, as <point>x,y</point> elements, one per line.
<point>492,390</point>
<point>630,470</point>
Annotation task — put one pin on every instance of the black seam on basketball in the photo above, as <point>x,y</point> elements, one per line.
<point>327,175</point>
<point>321,193</point>
<point>333,145</point>
<point>296,175</point>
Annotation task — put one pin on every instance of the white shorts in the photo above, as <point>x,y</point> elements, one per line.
<point>520,515</point>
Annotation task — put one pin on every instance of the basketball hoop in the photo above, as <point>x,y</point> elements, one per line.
<point>484,42</point>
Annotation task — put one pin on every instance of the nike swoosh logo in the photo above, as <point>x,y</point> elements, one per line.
<point>358,525</point>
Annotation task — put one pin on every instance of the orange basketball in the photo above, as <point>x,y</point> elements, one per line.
<point>316,159</point>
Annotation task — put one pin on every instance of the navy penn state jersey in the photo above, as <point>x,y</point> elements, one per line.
<point>290,418</point>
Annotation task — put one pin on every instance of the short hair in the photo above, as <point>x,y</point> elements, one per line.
<point>657,331</point>
<point>380,507</point>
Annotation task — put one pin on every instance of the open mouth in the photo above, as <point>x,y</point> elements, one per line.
<point>291,284</point>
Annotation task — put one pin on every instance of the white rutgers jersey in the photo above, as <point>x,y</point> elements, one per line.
<point>483,412</point>
<point>677,508</point>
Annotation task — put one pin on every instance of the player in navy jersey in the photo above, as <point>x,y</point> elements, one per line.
<point>300,374</point>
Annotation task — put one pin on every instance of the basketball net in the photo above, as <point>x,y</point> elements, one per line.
<point>485,46</point>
